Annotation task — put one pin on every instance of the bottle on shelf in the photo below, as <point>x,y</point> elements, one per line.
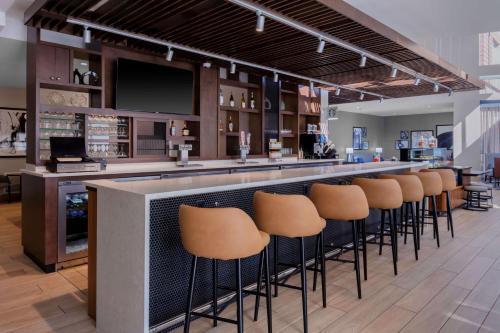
<point>283,106</point>
<point>231,100</point>
<point>185,130</point>
<point>172,128</point>
<point>221,126</point>
<point>230,124</point>
<point>243,102</point>
<point>252,101</point>
<point>221,97</point>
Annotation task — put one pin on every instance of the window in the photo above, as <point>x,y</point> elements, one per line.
<point>489,48</point>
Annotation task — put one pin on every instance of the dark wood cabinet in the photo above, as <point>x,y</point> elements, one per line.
<point>53,64</point>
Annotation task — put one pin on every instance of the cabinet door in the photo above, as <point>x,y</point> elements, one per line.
<point>46,63</point>
<point>61,69</point>
<point>53,63</point>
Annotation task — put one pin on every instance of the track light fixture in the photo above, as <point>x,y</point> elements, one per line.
<point>362,62</point>
<point>170,54</point>
<point>436,87</point>
<point>261,20</point>
<point>321,46</point>
<point>87,35</point>
<point>311,87</point>
<point>207,64</point>
<point>417,81</point>
<point>275,78</point>
<point>210,55</point>
<point>361,96</point>
<point>381,100</point>
<point>450,93</point>
<point>394,72</point>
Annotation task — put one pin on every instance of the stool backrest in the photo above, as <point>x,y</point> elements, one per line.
<point>340,202</point>
<point>431,182</point>
<point>286,215</point>
<point>218,233</point>
<point>411,186</point>
<point>447,177</point>
<point>381,193</point>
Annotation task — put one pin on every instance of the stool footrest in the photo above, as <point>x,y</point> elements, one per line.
<point>282,284</point>
<point>204,315</point>
<point>251,292</point>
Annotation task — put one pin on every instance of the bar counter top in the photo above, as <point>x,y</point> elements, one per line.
<point>166,188</point>
<point>154,167</point>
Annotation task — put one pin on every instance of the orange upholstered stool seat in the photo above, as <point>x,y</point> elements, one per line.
<point>433,186</point>
<point>222,234</point>
<point>413,194</point>
<point>345,203</point>
<point>292,216</point>
<point>449,182</point>
<point>386,195</point>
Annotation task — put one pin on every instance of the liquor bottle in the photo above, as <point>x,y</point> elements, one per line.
<point>221,97</point>
<point>231,100</point>
<point>172,128</point>
<point>221,126</point>
<point>243,102</point>
<point>230,124</point>
<point>252,101</point>
<point>185,130</point>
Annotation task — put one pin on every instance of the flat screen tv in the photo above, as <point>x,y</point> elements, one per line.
<point>147,87</point>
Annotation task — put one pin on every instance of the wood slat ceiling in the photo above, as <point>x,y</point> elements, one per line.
<point>221,27</point>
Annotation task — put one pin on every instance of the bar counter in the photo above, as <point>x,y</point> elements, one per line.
<point>138,270</point>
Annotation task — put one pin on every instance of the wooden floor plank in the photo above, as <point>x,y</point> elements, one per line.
<point>464,320</point>
<point>437,311</point>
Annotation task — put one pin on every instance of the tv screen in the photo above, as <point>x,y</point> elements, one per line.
<point>153,88</point>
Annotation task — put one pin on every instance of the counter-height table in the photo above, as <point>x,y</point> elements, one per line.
<point>138,270</point>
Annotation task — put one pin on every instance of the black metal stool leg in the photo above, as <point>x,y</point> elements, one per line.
<point>393,245</point>
<point>268,291</point>
<point>414,229</point>
<point>382,231</point>
<point>417,221</point>
<point>448,212</point>
<point>435,219</point>
<point>259,287</point>
<point>276,255</point>
<point>316,261</point>
<point>239,298</point>
<point>406,221</point>
<point>423,216</point>
<point>355,242</point>
<point>323,267</point>
<point>365,258</point>
<point>395,221</point>
<point>401,212</point>
<point>215,283</point>
<point>189,305</point>
<point>303,282</point>
<point>394,241</point>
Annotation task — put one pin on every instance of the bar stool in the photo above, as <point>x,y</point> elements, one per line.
<point>413,194</point>
<point>292,216</point>
<point>433,185</point>
<point>386,195</point>
<point>449,184</point>
<point>222,234</point>
<point>345,203</point>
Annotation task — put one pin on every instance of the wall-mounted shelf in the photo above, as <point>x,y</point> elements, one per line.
<point>234,83</point>
<point>68,86</point>
<point>236,109</point>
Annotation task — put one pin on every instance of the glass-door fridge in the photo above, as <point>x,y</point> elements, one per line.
<point>73,221</point>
